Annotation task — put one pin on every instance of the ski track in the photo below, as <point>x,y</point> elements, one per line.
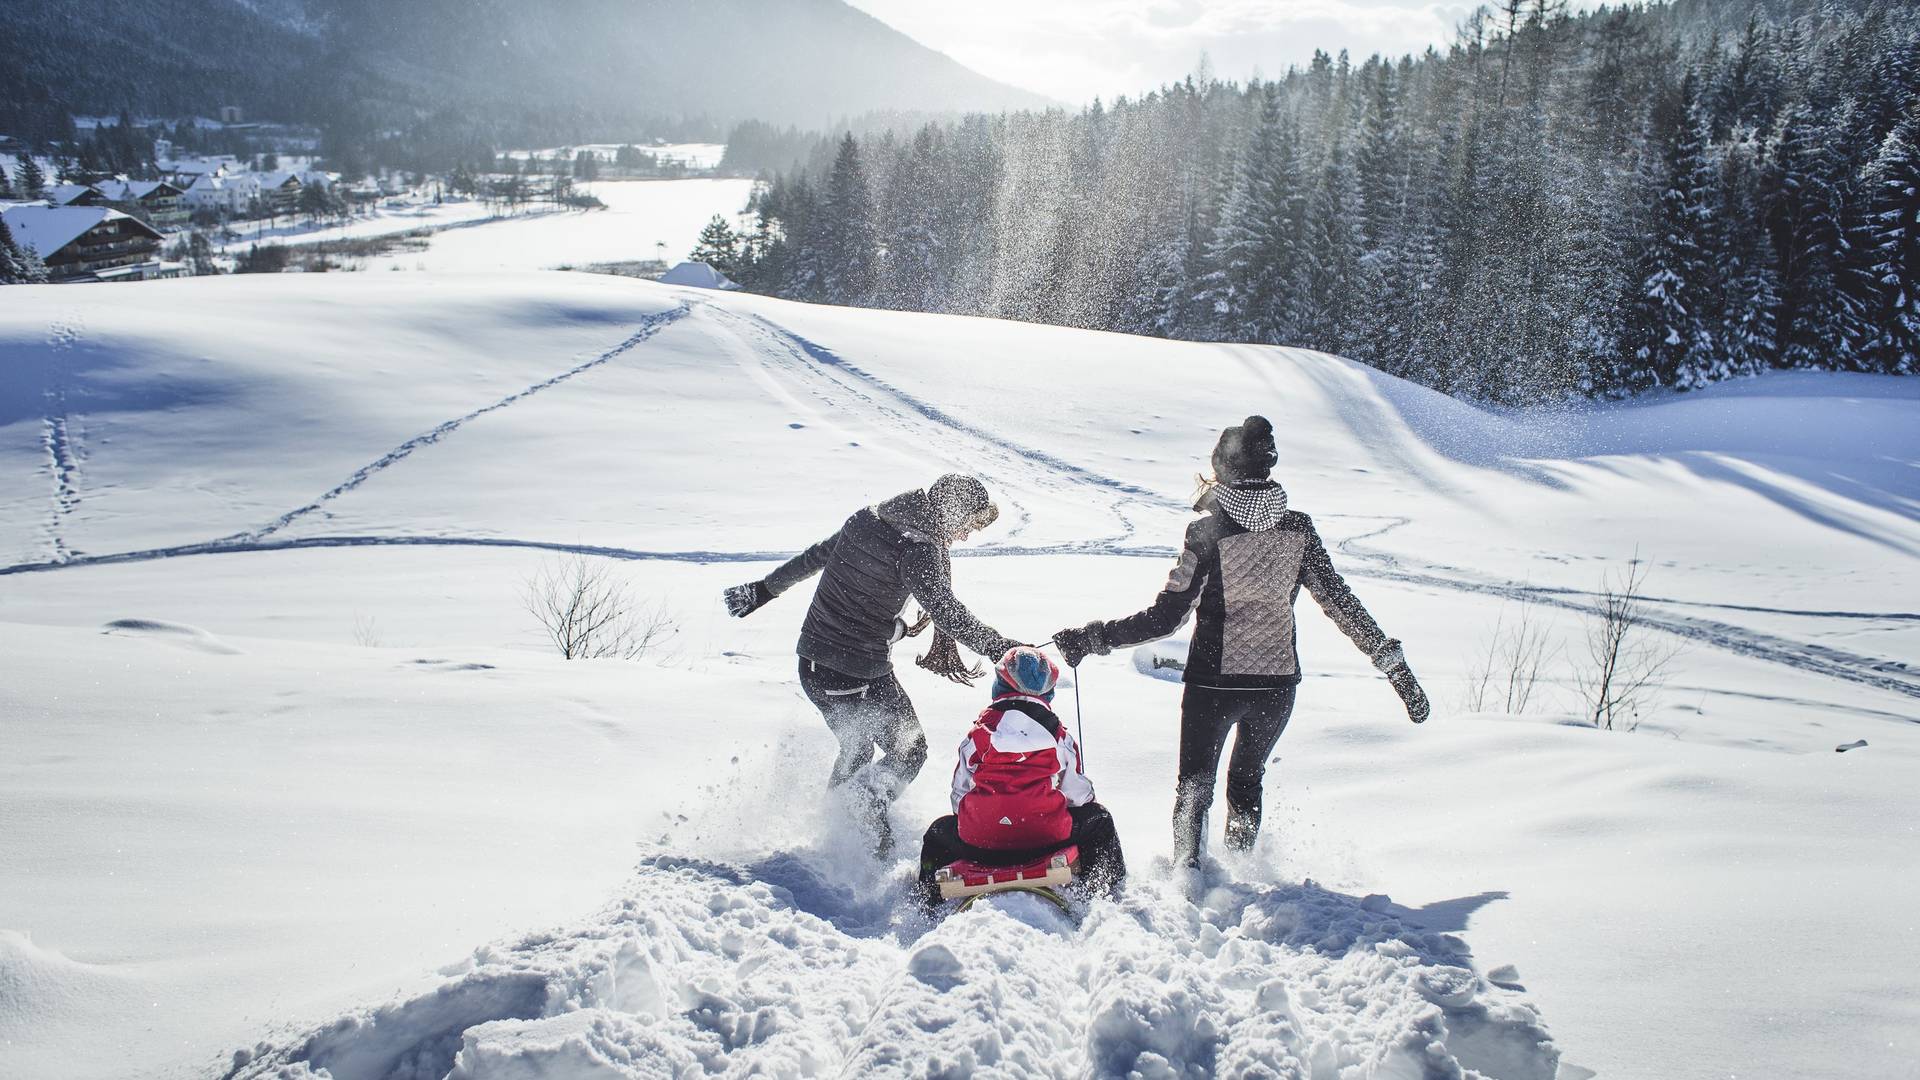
<point>57,437</point>
<point>844,387</point>
<point>1744,641</point>
<point>785,969</point>
<point>649,325</point>
<point>841,386</point>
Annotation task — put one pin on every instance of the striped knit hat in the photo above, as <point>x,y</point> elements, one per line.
<point>1025,670</point>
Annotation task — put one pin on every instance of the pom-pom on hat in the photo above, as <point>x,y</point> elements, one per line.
<point>1025,670</point>
<point>1245,452</point>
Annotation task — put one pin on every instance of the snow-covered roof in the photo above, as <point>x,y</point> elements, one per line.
<point>698,275</point>
<point>278,178</point>
<point>64,194</point>
<point>132,190</point>
<point>198,166</point>
<point>47,229</point>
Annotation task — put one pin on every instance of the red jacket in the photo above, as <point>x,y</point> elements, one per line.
<point>1016,777</point>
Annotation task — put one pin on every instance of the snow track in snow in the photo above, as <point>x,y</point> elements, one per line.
<point>649,325</point>
<point>1806,656</point>
<point>701,968</point>
<point>803,370</point>
<point>63,454</point>
<point>1019,472</point>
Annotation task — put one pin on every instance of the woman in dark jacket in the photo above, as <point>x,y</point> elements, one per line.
<point>1240,570</point>
<point>880,557</point>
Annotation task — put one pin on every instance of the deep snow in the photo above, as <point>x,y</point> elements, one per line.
<point>319,754</point>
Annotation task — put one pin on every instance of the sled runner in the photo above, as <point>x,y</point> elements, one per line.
<point>967,881</point>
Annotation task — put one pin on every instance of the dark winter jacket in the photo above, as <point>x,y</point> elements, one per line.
<point>1240,570</point>
<point>882,555</point>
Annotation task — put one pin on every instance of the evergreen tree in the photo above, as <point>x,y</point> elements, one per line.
<point>914,239</point>
<point>18,265</point>
<point>1891,240</point>
<point>719,247</point>
<point>847,230</point>
<point>315,203</point>
<point>1803,215</point>
<point>1750,290</point>
<point>29,179</point>
<point>1381,171</point>
<point>1672,338</point>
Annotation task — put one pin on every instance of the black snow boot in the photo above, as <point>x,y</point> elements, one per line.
<point>1243,828</point>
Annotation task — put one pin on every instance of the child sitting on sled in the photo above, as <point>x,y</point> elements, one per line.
<point>1019,791</point>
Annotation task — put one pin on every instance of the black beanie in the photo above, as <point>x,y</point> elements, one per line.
<point>1245,452</point>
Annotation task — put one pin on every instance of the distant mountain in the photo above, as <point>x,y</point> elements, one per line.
<point>786,61</point>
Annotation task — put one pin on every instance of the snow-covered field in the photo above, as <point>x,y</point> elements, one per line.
<point>383,221</point>
<point>644,219</point>
<point>287,771</point>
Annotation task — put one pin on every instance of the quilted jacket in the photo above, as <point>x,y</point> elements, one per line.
<point>1241,568</point>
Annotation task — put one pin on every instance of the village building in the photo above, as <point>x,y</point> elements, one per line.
<point>89,243</point>
<point>164,204</point>
<point>280,191</point>
<point>210,192</point>
<point>185,170</point>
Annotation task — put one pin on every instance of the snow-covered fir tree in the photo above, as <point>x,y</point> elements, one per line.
<point>18,265</point>
<point>1891,241</point>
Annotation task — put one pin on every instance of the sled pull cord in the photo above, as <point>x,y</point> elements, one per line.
<point>1079,723</point>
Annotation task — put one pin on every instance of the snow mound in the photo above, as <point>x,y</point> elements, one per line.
<point>179,634</point>
<point>39,985</point>
<point>1165,659</point>
<point>699,968</point>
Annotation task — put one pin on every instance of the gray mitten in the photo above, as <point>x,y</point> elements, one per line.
<point>1391,660</point>
<point>1077,643</point>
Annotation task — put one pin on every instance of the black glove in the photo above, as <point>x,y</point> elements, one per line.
<point>1076,644</point>
<point>943,659</point>
<point>744,600</point>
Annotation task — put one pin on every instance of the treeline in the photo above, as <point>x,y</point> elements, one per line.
<point>1558,204</point>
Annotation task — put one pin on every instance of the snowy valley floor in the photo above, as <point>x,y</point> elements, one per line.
<point>290,783</point>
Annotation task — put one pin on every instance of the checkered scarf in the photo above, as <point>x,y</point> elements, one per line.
<point>1255,505</point>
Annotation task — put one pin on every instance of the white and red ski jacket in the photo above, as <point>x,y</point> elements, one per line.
<point>1016,777</point>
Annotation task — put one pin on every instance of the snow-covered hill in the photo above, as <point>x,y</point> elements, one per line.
<point>283,746</point>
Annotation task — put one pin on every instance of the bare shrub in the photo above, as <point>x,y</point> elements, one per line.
<point>1627,663</point>
<point>366,631</point>
<point>1508,675</point>
<point>589,613</point>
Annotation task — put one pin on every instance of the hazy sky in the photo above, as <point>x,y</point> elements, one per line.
<point>1075,49</point>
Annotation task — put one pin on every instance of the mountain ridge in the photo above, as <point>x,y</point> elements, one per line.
<point>368,63</point>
